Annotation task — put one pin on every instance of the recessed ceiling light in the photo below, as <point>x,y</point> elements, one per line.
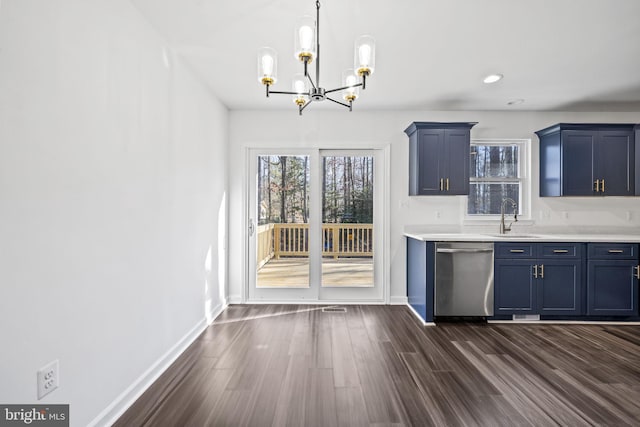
<point>492,78</point>
<point>516,101</point>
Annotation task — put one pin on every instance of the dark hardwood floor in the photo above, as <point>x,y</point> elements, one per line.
<point>287,365</point>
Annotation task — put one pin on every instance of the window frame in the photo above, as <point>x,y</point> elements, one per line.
<point>524,178</point>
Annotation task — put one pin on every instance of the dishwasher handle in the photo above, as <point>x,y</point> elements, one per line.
<point>462,250</point>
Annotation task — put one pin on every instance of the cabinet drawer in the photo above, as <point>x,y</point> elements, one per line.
<point>612,251</point>
<point>560,250</point>
<point>514,250</point>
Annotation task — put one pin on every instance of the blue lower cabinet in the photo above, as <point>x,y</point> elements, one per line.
<point>613,287</point>
<point>560,286</point>
<point>420,277</point>
<point>551,282</point>
<point>514,287</point>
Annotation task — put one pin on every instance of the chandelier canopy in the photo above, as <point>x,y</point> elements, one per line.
<point>307,48</point>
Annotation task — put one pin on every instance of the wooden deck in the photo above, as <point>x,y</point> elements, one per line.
<point>294,273</point>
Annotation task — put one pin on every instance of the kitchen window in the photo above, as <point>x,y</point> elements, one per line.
<point>498,169</point>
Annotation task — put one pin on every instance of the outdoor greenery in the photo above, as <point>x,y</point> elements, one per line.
<point>283,189</point>
<point>494,176</point>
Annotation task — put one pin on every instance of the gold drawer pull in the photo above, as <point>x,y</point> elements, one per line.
<point>616,251</point>
<point>516,251</point>
<point>560,251</point>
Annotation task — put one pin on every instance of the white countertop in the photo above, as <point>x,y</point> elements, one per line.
<point>522,237</point>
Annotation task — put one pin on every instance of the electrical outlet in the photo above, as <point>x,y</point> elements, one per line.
<point>47,379</point>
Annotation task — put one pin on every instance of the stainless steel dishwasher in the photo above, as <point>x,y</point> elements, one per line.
<point>464,279</point>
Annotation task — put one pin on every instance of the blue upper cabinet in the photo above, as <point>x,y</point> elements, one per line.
<point>588,160</point>
<point>439,158</point>
<point>637,156</point>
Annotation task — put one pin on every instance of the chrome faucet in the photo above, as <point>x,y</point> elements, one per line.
<point>504,228</point>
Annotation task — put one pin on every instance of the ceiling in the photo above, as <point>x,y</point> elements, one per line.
<point>556,55</point>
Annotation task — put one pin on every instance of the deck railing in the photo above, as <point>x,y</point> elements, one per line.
<point>292,240</point>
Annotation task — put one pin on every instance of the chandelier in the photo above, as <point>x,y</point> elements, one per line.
<point>307,48</point>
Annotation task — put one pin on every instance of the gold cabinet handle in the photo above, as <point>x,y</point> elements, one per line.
<point>441,184</point>
<point>516,251</point>
<point>560,251</point>
<point>535,271</point>
<point>637,272</point>
<point>596,185</point>
<point>447,184</point>
<point>616,251</point>
<point>542,271</point>
<point>602,185</point>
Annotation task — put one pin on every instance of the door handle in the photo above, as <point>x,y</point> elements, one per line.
<point>637,272</point>
<point>441,184</point>
<point>596,185</point>
<point>602,185</point>
<point>252,227</point>
<point>535,271</point>
<point>542,271</point>
<point>447,184</point>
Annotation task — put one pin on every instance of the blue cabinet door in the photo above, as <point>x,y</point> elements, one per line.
<point>636,156</point>
<point>612,288</point>
<point>420,277</point>
<point>577,162</point>
<point>614,163</point>
<point>559,287</point>
<point>430,161</point>
<point>456,166</point>
<point>514,287</point>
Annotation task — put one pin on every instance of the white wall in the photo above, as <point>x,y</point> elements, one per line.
<point>320,128</point>
<point>113,209</point>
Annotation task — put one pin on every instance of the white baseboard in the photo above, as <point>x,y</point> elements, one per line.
<point>399,301</point>
<point>128,397</point>
<point>215,311</point>
<point>415,313</point>
<point>315,302</point>
<point>234,299</point>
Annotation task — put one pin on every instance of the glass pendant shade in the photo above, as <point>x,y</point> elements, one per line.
<point>365,55</point>
<point>350,79</point>
<point>301,87</point>
<point>305,39</point>
<point>267,66</point>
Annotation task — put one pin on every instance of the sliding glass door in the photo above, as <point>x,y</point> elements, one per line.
<point>314,230</point>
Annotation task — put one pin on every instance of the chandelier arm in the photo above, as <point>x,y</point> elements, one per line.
<point>343,88</point>
<point>287,93</point>
<point>311,81</point>
<point>338,102</point>
<point>305,106</point>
